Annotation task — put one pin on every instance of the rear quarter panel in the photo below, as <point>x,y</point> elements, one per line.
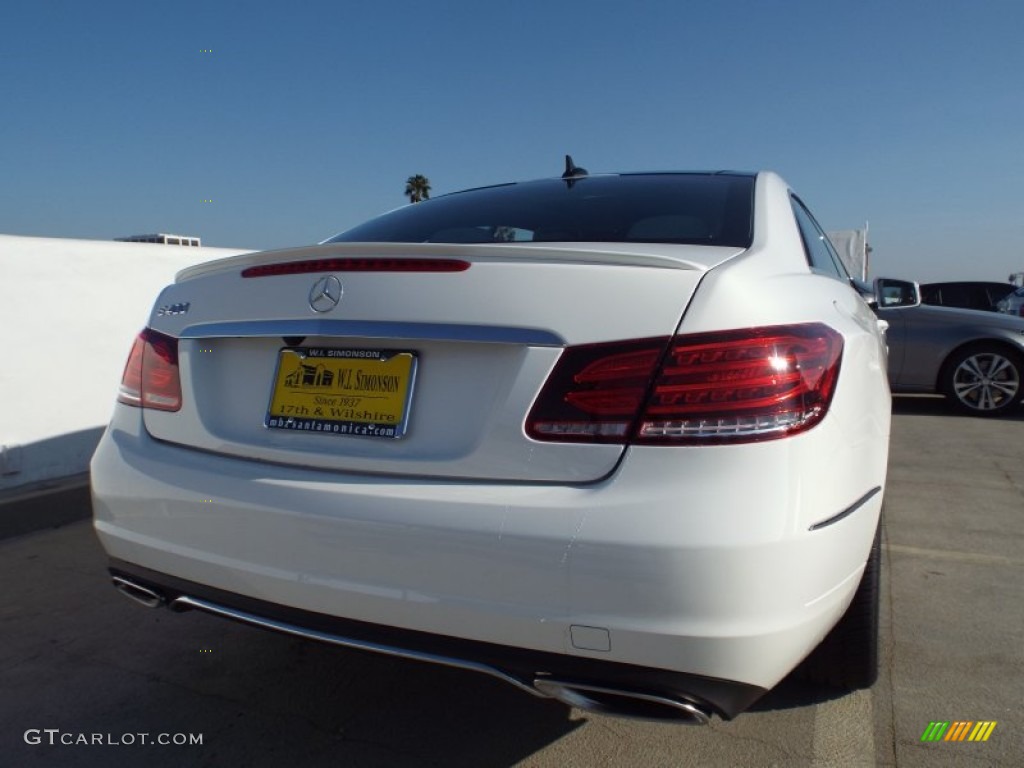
<point>772,284</point>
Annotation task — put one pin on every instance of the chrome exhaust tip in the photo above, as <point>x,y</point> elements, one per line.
<point>624,703</point>
<point>137,592</point>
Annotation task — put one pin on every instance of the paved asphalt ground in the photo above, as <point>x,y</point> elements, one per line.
<point>77,657</point>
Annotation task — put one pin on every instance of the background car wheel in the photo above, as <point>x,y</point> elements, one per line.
<point>984,380</point>
<point>848,656</point>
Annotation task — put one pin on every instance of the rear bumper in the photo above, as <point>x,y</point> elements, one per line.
<point>715,588</point>
<point>522,668</point>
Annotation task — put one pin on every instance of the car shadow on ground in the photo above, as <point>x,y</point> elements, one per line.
<point>795,693</point>
<point>382,710</point>
<point>364,708</point>
<point>936,405</point>
<point>258,698</point>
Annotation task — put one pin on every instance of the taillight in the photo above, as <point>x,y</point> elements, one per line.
<point>150,378</point>
<point>595,392</point>
<point>728,386</point>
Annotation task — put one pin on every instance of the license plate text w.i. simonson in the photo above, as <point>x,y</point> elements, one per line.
<point>356,392</point>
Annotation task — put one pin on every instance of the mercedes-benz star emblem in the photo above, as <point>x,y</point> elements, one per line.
<point>325,294</point>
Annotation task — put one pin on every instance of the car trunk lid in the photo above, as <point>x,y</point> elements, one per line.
<point>455,359</point>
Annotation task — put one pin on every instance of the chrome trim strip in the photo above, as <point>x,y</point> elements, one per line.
<point>489,334</point>
<point>849,510</point>
<point>185,601</point>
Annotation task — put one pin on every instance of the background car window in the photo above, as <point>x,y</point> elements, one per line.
<point>931,294</point>
<point>958,296</point>
<point>997,294</point>
<point>820,254</point>
<point>966,294</point>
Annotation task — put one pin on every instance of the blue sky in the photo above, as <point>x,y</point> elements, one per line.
<point>307,117</point>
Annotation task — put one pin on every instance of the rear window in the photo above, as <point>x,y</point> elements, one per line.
<point>700,209</point>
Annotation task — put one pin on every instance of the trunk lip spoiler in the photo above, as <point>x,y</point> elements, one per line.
<point>698,258</point>
<point>374,329</point>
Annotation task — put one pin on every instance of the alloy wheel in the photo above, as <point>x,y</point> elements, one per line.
<point>986,381</point>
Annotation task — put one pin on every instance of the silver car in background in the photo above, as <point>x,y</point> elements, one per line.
<point>974,358</point>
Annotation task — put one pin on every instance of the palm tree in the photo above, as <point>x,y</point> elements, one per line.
<point>417,188</point>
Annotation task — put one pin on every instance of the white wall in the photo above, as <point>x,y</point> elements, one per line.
<point>69,311</point>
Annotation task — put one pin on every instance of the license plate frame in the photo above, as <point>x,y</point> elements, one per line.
<point>354,392</point>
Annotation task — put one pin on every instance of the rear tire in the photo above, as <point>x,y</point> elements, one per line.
<point>848,656</point>
<point>984,380</point>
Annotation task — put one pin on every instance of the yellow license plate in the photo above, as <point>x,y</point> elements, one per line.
<point>359,392</point>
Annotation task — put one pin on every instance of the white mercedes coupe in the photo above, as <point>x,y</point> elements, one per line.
<point>615,439</point>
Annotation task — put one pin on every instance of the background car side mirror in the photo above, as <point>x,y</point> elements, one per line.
<point>896,294</point>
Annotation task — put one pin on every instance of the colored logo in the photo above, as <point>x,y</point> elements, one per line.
<point>959,730</point>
